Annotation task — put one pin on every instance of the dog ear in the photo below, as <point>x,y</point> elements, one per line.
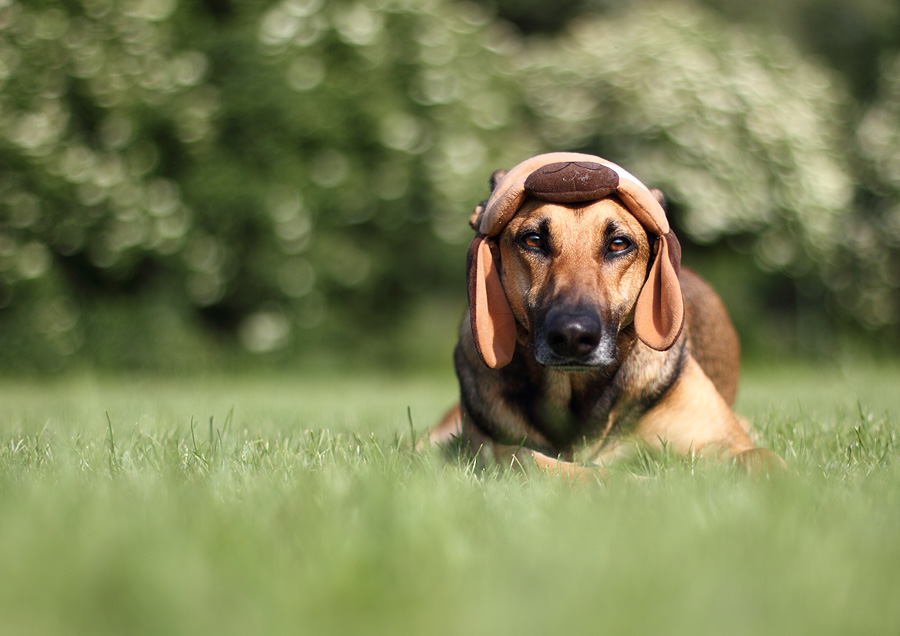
<point>476,216</point>
<point>659,312</point>
<point>492,320</point>
<point>495,178</point>
<point>660,198</point>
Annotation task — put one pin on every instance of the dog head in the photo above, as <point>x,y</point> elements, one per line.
<point>585,248</point>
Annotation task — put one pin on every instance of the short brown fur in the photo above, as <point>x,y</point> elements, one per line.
<point>561,415</point>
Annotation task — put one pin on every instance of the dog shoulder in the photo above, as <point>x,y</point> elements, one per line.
<point>713,340</point>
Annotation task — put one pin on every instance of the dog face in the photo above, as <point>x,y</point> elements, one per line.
<point>572,275</point>
<point>580,180</point>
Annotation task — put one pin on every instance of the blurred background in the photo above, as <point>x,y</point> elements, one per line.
<point>220,184</point>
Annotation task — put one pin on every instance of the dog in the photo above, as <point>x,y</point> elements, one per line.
<point>584,339</point>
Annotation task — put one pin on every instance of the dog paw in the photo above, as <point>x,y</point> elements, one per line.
<point>760,462</point>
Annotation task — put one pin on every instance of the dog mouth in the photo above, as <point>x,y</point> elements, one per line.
<point>602,357</point>
<point>570,366</point>
<point>575,342</point>
<point>575,368</point>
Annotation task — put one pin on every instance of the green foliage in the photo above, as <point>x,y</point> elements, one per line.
<point>293,165</point>
<point>876,238</point>
<point>183,179</point>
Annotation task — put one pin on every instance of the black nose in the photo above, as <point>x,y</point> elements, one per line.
<point>574,335</point>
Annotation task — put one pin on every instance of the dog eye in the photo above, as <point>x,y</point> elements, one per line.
<point>532,240</point>
<point>619,245</point>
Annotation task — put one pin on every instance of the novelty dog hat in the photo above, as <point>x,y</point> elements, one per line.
<point>568,177</point>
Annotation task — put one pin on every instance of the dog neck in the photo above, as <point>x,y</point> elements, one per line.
<point>566,406</point>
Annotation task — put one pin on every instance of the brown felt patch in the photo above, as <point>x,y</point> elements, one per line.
<point>571,182</point>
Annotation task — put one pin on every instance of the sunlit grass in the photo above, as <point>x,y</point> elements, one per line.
<point>296,505</point>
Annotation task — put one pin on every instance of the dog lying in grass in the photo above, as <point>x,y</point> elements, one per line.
<point>584,337</point>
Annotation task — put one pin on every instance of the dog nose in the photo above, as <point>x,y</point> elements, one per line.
<point>574,335</point>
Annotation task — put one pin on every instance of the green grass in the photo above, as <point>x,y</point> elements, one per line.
<point>290,505</point>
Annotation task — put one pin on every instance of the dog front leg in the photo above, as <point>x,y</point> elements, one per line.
<point>761,462</point>
<point>520,458</point>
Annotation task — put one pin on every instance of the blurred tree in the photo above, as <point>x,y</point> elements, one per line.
<point>93,98</point>
<point>849,37</point>
<point>873,286</point>
<point>179,176</point>
<point>267,170</point>
<point>539,16</point>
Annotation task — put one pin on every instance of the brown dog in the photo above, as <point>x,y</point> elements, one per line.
<point>583,338</point>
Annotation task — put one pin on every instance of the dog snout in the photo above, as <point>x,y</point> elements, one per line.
<point>574,335</point>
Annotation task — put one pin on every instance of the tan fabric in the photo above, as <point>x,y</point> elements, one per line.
<point>508,196</point>
<point>493,323</point>
<point>659,312</point>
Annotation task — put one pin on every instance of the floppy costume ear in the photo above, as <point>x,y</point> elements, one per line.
<point>659,311</point>
<point>492,320</point>
<point>568,177</point>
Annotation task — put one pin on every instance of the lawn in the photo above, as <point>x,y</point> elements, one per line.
<point>285,505</point>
